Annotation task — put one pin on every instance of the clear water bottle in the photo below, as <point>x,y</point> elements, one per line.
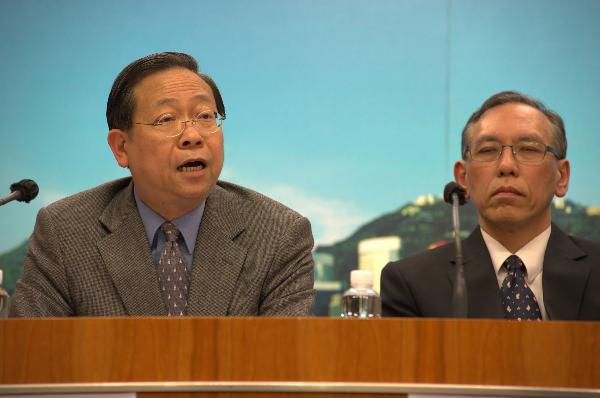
<point>361,301</point>
<point>3,299</point>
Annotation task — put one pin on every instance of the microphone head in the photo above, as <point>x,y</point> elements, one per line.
<point>28,190</point>
<point>453,187</point>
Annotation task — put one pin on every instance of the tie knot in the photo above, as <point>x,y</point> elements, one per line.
<point>170,230</point>
<point>514,263</point>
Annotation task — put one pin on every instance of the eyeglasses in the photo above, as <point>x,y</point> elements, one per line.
<point>206,123</point>
<point>524,152</point>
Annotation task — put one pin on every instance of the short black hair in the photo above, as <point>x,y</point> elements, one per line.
<point>508,97</point>
<point>121,100</point>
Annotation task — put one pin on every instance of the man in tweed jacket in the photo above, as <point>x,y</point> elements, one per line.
<point>94,254</point>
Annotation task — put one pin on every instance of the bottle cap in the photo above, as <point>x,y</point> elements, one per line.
<point>361,279</point>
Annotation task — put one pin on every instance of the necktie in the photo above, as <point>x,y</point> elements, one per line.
<point>173,273</point>
<point>518,300</point>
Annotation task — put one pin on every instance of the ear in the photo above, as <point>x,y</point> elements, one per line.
<point>117,141</point>
<point>564,172</point>
<point>460,175</point>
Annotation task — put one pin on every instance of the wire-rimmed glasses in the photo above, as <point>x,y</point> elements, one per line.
<point>206,123</point>
<point>528,152</point>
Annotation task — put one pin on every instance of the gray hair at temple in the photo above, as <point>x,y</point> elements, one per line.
<point>121,100</point>
<point>509,97</point>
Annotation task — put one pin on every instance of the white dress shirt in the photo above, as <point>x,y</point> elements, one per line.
<point>532,255</point>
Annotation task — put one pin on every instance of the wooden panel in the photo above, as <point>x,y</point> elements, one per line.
<point>262,395</point>
<point>551,354</point>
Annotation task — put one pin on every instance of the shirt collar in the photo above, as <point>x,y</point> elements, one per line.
<point>532,254</point>
<point>187,224</point>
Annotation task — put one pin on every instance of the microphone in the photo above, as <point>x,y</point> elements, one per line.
<point>454,188</point>
<point>23,191</point>
<point>456,195</point>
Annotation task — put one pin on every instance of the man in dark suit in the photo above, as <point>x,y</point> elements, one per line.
<point>172,239</point>
<point>517,264</point>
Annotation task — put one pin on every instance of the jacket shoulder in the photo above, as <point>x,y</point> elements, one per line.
<point>88,204</point>
<point>591,248</point>
<point>423,262</point>
<point>251,202</point>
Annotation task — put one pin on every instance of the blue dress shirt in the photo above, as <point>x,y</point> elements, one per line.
<point>187,224</point>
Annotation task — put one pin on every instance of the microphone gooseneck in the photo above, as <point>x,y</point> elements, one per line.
<point>456,195</point>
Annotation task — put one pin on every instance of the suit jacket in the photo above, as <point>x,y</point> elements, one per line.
<point>421,286</point>
<point>89,256</point>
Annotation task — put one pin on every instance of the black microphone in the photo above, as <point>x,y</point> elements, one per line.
<point>456,195</point>
<point>23,191</point>
<point>451,188</point>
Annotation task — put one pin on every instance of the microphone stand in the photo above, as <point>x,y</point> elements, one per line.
<point>15,195</point>
<point>459,293</point>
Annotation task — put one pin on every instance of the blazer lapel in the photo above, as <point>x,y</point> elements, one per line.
<point>218,260</point>
<point>483,294</point>
<point>127,256</point>
<point>563,277</point>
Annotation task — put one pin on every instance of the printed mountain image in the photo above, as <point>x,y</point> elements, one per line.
<point>421,225</point>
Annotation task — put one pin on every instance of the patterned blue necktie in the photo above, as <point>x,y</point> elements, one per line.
<point>173,273</point>
<point>518,300</point>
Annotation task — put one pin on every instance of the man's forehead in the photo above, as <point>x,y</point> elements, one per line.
<point>520,121</point>
<point>172,100</point>
<point>515,137</point>
<point>168,86</point>
<point>513,111</point>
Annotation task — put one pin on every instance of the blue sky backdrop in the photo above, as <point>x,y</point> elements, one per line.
<point>344,110</point>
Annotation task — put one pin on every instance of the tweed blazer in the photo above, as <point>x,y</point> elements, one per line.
<point>421,286</point>
<point>89,256</point>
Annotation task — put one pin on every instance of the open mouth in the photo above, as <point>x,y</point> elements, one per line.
<point>195,165</point>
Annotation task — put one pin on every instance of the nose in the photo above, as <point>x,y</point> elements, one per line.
<point>507,164</point>
<point>190,136</point>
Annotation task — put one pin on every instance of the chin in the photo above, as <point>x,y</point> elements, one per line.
<point>194,195</point>
<point>198,193</point>
<point>506,216</point>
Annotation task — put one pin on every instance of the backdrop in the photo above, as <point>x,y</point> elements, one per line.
<point>343,110</point>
